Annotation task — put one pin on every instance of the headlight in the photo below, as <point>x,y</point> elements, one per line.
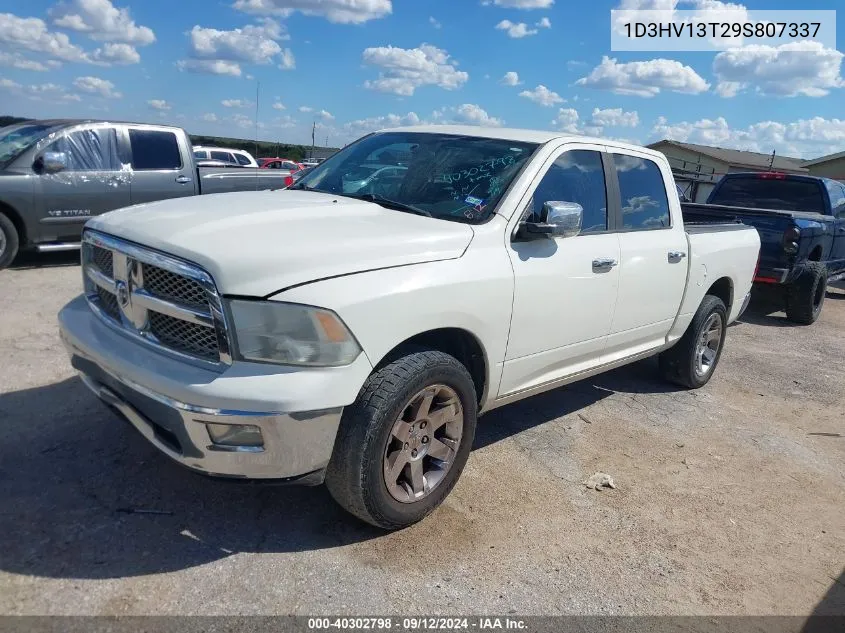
<point>291,334</point>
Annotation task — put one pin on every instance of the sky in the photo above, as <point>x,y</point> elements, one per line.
<point>354,66</point>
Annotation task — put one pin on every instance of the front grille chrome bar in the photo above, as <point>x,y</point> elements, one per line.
<point>197,332</point>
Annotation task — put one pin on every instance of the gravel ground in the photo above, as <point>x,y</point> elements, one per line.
<point>730,499</point>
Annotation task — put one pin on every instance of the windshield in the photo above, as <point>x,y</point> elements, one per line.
<point>771,193</point>
<point>446,176</point>
<point>16,138</point>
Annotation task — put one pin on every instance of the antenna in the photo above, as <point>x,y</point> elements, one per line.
<point>257,90</point>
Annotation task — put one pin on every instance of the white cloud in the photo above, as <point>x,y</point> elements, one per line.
<point>16,60</point>
<point>236,103</point>
<point>119,54</point>
<point>797,68</point>
<point>287,60</point>
<point>644,79</point>
<point>567,120</point>
<point>325,115</point>
<point>544,23</point>
<point>279,106</point>
<point>543,96</point>
<point>100,20</point>
<point>245,122</point>
<point>210,117</point>
<point>466,114</point>
<point>340,11</point>
<point>306,109</point>
<point>210,66</point>
<point>37,92</point>
<point>359,127</point>
<point>521,4</point>
<point>284,122</point>
<point>32,34</point>
<point>403,70</point>
<point>224,51</point>
<point>510,78</point>
<point>159,104</point>
<point>614,117</point>
<point>515,29</point>
<point>97,86</point>
<point>436,24</point>
<point>807,138</point>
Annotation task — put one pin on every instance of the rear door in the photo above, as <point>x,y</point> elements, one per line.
<point>654,258</point>
<point>160,170</point>
<point>94,181</point>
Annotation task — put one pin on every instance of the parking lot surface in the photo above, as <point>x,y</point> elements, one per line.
<point>730,499</point>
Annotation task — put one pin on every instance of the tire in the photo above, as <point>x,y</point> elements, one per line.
<point>805,295</point>
<point>685,363</point>
<point>9,241</point>
<point>357,476</point>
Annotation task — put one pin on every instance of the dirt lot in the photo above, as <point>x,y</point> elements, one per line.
<point>731,499</point>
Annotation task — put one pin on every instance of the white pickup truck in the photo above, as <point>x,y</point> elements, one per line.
<point>351,330</point>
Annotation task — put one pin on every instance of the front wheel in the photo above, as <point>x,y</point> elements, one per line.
<point>693,359</point>
<point>404,442</point>
<point>9,241</point>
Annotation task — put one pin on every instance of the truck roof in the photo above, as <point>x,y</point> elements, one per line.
<point>517,134</point>
<point>68,122</point>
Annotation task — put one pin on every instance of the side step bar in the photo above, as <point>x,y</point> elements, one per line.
<point>59,246</point>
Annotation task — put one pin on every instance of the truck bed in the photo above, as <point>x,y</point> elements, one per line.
<point>700,212</point>
<point>226,179</point>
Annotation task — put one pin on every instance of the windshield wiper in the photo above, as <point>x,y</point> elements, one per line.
<point>388,203</point>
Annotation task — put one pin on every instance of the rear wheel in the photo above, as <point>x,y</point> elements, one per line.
<point>693,359</point>
<point>404,442</point>
<point>805,296</point>
<point>9,241</point>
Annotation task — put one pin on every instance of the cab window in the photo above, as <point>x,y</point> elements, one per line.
<point>576,176</point>
<point>89,150</point>
<point>642,189</point>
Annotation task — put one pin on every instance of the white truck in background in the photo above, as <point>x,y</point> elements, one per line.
<point>351,330</point>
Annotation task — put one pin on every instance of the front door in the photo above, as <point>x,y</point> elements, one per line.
<point>92,183</point>
<point>564,288</point>
<point>654,257</point>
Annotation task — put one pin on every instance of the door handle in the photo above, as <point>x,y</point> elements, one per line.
<point>604,264</point>
<point>182,180</point>
<point>676,256</point>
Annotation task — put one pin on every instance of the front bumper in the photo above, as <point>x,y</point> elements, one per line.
<point>170,402</point>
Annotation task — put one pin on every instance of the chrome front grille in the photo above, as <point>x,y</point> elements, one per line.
<point>165,302</point>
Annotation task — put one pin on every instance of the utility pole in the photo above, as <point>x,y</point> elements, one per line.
<point>257,89</point>
<point>772,160</point>
<point>313,132</point>
<point>327,141</point>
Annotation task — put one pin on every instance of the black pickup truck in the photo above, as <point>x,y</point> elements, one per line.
<point>801,222</point>
<point>56,174</point>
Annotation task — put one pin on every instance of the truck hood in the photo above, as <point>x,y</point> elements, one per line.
<point>257,243</point>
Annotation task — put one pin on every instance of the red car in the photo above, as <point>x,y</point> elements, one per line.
<point>279,163</point>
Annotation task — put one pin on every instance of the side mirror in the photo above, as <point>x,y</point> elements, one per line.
<point>53,162</point>
<point>560,219</point>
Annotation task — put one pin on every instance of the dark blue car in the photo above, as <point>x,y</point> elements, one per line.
<point>801,222</point>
